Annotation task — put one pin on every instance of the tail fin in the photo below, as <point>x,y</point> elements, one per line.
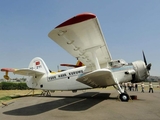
<point>39,65</point>
<point>79,63</point>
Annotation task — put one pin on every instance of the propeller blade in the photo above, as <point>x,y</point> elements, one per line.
<point>144,58</point>
<point>148,66</point>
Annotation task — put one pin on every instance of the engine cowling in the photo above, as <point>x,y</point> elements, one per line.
<point>141,72</point>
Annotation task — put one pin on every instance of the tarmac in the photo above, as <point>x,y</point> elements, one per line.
<point>95,104</point>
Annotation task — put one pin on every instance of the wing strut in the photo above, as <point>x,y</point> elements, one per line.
<point>96,62</point>
<point>93,52</point>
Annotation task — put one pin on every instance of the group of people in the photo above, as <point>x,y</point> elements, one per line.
<point>150,87</point>
<point>134,87</point>
<point>130,86</point>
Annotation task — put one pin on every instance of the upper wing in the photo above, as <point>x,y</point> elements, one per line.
<point>79,36</point>
<point>97,78</point>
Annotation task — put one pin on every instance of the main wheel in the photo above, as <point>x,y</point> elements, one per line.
<point>124,97</point>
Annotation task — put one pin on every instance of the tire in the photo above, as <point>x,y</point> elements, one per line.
<point>124,97</point>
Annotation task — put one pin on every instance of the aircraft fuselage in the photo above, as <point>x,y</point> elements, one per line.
<point>66,80</point>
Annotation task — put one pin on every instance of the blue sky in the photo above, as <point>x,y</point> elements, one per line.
<point>129,26</point>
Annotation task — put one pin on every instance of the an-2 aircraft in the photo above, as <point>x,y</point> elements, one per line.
<point>81,36</point>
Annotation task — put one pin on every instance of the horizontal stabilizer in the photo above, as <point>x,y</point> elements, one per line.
<point>97,78</point>
<point>8,69</point>
<point>79,64</point>
<point>36,67</point>
<point>70,65</point>
<point>28,72</point>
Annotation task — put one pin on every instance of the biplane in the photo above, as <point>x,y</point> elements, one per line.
<point>82,37</point>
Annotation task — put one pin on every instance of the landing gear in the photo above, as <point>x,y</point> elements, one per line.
<point>46,93</point>
<point>124,97</point>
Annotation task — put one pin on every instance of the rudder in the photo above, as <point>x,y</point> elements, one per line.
<point>38,64</point>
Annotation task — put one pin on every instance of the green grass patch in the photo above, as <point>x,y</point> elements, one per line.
<point>6,98</point>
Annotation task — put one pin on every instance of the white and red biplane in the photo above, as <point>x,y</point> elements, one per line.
<point>81,36</point>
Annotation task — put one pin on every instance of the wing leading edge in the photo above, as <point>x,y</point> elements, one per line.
<point>79,36</point>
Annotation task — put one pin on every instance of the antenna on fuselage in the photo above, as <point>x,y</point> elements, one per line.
<point>58,68</point>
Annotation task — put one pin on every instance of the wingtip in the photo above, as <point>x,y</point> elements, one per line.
<point>78,18</point>
<point>7,70</point>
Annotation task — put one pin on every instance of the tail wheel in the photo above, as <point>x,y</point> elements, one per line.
<point>6,77</point>
<point>124,97</point>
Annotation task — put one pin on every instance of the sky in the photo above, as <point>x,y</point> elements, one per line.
<point>129,26</point>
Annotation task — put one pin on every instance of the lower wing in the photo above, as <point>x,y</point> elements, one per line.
<point>97,78</point>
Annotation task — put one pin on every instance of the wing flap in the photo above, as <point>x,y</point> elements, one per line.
<point>28,72</point>
<point>98,78</point>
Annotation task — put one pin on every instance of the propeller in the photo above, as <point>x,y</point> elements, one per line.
<point>148,66</point>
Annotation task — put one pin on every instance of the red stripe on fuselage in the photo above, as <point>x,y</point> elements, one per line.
<point>78,18</point>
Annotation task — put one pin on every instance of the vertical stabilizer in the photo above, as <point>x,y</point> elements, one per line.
<point>79,63</point>
<point>39,65</point>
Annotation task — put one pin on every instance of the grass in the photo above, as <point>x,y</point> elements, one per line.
<point>6,95</point>
<point>6,98</point>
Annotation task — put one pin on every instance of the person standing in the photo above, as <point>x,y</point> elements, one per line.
<point>136,87</point>
<point>133,86</point>
<point>125,86</point>
<point>142,86</point>
<point>130,87</point>
<point>150,87</point>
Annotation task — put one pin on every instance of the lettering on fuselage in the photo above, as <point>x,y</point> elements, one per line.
<point>51,78</point>
<point>75,72</point>
<point>37,67</point>
<point>64,75</point>
<point>31,68</point>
